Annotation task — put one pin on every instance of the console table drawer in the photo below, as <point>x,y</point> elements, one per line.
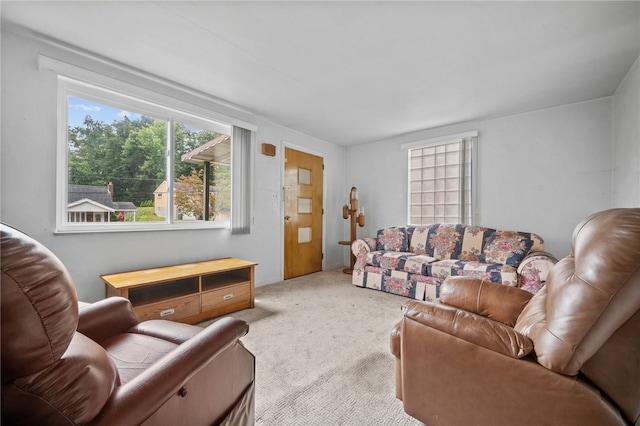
<point>228,299</point>
<point>172,309</point>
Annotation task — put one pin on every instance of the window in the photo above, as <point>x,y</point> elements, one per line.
<point>441,180</point>
<point>127,163</point>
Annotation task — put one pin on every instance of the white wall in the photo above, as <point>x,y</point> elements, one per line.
<point>626,140</point>
<point>539,172</point>
<point>27,185</point>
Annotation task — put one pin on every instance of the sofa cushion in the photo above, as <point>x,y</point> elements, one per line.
<point>416,286</point>
<point>392,239</point>
<point>387,259</point>
<point>400,261</point>
<point>474,240</point>
<point>464,242</point>
<point>506,247</point>
<point>442,241</point>
<point>418,238</point>
<point>418,264</point>
<point>395,282</point>
<point>494,272</point>
<point>445,241</point>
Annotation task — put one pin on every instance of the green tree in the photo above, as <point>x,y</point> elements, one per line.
<point>93,152</point>
<point>131,155</point>
<point>142,163</point>
<point>189,195</point>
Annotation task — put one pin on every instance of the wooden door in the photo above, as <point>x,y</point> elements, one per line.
<point>303,174</point>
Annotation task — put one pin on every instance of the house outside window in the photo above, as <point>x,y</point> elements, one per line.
<point>117,151</point>
<point>441,180</point>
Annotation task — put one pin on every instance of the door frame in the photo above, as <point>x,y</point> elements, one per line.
<point>305,150</point>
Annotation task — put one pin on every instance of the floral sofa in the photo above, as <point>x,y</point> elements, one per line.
<point>413,261</point>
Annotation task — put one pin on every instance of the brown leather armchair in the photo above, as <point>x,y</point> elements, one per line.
<point>103,366</point>
<point>487,355</point>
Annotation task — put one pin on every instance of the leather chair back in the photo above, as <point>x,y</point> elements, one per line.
<point>38,301</point>
<point>49,371</point>
<point>586,319</point>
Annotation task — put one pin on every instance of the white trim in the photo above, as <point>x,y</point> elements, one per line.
<point>170,175</point>
<point>82,55</point>
<point>94,227</point>
<point>439,140</point>
<point>93,203</point>
<point>112,84</point>
<point>69,86</point>
<point>475,166</point>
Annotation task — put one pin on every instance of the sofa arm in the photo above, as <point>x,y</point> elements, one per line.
<point>363,245</point>
<point>105,318</point>
<point>470,327</point>
<point>495,301</point>
<point>136,400</point>
<point>534,270</point>
<point>360,248</point>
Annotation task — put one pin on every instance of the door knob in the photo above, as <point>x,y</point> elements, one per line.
<point>287,217</point>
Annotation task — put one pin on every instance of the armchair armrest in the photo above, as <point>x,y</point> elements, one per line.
<point>470,327</point>
<point>175,332</point>
<point>495,301</point>
<point>105,318</point>
<point>136,400</point>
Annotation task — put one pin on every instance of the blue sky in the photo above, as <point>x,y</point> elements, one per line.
<point>80,108</point>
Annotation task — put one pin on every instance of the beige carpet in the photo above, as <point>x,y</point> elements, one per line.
<point>322,353</point>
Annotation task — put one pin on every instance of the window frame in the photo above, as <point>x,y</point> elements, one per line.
<point>86,84</point>
<point>467,182</point>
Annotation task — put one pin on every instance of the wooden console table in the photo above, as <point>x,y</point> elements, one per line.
<point>188,293</point>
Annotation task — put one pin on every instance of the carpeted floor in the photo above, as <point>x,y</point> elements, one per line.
<point>322,353</point>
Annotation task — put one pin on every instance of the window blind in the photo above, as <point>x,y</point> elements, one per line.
<point>241,157</point>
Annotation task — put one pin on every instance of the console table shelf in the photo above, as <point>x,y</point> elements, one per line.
<point>189,292</point>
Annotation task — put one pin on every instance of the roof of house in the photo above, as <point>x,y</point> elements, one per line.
<point>97,194</point>
<point>124,205</point>
<point>88,205</point>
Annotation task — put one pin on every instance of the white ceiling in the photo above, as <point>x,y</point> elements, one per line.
<point>356,72</point>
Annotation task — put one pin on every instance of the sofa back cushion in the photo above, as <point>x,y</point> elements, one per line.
<point>506,247</point>
<point>449,241</point>
<point>475,238</point>
<point>418,238</point>
<point>392,239</point>
<point>442,241</point>
<point>468,243</point>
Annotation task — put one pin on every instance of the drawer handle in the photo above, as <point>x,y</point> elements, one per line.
<point>227,296</point>
<point>167,312</point>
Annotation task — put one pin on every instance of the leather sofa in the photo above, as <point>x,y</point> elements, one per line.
<point>100,365</point>
<point>495,355</point>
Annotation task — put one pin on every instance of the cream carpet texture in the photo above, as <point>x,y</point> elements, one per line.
<point>322,353</point>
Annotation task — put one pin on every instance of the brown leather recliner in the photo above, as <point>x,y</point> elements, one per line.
<point>103,366</point>
<point>487,355</point>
